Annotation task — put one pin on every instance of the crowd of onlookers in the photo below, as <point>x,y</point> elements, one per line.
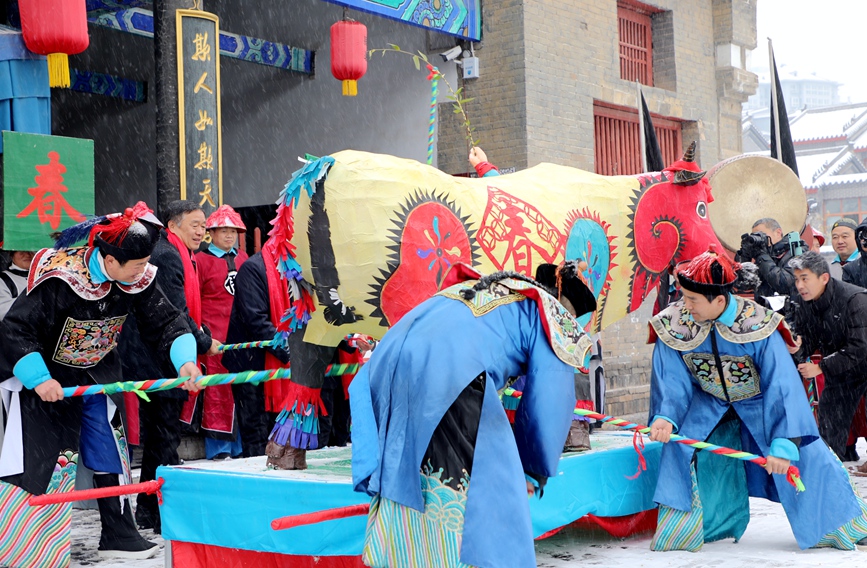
<point>826,307</point>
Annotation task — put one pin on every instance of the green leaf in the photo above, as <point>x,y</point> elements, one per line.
<point>394,47</point>
<point>423,56</point>
<point>417,63</point>
<point>457,111</point>
<point>464,101</point>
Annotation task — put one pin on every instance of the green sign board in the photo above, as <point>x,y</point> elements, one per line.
<point>47,187</point>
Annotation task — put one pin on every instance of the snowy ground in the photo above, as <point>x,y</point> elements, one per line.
<point>768,543</point>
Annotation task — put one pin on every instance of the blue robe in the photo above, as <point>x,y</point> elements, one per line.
<point>766,392</point>
<point>421,366</point>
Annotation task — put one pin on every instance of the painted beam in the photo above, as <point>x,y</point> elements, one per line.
<point>461,18</point>
<point>108,85</point>
<point>139,21</point>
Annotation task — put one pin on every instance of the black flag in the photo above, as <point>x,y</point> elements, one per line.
<point>782,146</point>
<point>652,158</point>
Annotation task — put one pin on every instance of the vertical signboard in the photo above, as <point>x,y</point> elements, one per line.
<point>47,187</point>
<point>199,108</point>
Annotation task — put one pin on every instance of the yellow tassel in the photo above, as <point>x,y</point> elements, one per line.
<point>58,70</point>
<point>350,88</point>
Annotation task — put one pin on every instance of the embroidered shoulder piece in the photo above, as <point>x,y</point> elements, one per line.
<point>70,265</point>
<point>485,300</point>
<point>568,341</point>
<point>676,328</point>
<point>752,323</point>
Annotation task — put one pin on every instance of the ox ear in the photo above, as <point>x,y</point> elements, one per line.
<point>686,177</point>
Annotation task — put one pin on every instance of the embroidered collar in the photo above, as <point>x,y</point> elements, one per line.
<point>73,266</point>
<point>567,339</point>
<point>675,327</point>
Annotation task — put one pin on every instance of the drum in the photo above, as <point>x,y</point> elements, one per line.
<point>748,188</point>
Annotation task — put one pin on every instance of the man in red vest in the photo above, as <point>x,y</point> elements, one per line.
<point>218,265</point>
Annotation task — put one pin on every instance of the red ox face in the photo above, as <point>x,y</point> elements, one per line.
<point>670,224</point>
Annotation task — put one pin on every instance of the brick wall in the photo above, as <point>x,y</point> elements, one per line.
<point>626,357</point>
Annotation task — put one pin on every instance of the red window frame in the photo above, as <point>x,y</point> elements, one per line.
<point>635,33</point>
<point>617,144</point>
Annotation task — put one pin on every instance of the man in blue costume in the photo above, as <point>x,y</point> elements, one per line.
<point>759,407</point>
<point>427,403</point>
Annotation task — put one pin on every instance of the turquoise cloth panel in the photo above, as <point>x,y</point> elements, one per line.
<point>722,486</point>
<point>597,482</point>
<point>25,97</point>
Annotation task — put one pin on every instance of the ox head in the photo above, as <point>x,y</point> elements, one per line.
<point>671,221</point>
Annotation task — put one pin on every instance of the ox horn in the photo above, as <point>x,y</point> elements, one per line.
<point>688,176</point>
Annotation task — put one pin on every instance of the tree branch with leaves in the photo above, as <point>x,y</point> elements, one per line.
<point>459,102</point>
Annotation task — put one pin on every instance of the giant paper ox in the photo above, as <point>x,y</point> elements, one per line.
<point>380,233</point>
<point>372,236</point>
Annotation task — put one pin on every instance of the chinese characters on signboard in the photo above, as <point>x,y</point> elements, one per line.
<point>48,186</point>
<point>199,108</point>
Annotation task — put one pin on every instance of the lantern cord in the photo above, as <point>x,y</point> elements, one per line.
<point>58,70</point>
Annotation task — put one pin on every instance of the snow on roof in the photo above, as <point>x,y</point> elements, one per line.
<point>828,122</point>
<point>810,166</point>
<point>843,179</point>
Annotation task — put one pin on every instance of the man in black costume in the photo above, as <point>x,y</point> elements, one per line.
<point>62,333</point>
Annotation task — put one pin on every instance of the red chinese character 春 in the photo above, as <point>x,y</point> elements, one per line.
<point>48,200</point>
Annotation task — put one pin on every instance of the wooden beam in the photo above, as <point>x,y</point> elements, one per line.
<point>139,21</point>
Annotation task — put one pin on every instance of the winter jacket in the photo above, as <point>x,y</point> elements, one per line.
<point>251,318</point>
<point>835,325</point>
<point>775,272</point>
<point>855,272</point>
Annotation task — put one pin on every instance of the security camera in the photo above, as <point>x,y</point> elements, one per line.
<point>451,54</point>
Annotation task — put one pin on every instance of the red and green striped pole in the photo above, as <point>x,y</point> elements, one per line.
<point>793,476</point>
<point>141,387</point>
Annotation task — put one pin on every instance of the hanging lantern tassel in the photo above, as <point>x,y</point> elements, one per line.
<point>349,54</point>
<point>58,70</point>
<point>56,29</point>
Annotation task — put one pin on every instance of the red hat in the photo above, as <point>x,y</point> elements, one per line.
<point>818,236</point>
<point>709,273</point>
<point>225,217</point>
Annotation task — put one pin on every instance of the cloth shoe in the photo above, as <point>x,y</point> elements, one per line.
<point>119,537</point>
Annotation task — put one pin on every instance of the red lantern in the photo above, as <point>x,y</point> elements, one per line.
<point>349,54</point>
<point>56,28</point>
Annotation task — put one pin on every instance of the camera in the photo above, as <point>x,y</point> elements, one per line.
<point>752,245</point>
<point>451,54</point>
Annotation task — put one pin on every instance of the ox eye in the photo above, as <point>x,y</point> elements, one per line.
<point>701,209</point>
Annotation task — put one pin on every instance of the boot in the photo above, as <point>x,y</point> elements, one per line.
<point>119,537</point>
<point>285,457</point>
<point>147,513</point>
<point>579,437</point>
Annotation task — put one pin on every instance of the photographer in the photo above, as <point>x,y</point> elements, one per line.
<point>771,253</point>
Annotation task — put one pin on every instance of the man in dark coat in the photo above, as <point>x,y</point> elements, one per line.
<point>855,271</point>
<point>251,320</point>
<point>160,418</point>
<point>62,333</point>
<point>771,253</point>
<point>831,319</point>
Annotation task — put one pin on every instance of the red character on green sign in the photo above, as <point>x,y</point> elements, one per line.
<point>48,200</point>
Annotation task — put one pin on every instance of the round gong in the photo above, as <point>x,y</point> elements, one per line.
<point>749,188</point>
